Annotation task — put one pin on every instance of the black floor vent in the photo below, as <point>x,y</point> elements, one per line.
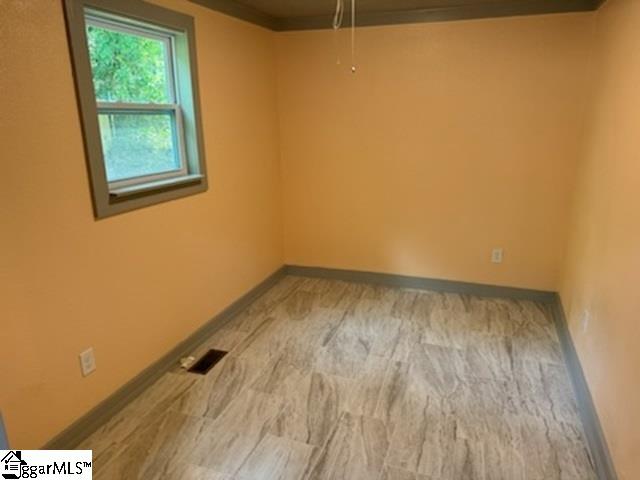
<point>207,362</point>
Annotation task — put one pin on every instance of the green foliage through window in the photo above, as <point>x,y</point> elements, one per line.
<point>138,144</point>
<point>128,67</point>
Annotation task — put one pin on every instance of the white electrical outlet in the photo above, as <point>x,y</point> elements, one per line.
<point>87,362</point>
<point>497,255</point>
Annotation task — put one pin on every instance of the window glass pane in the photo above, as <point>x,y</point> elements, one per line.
<point>128,67</point>
<point>138,144</point>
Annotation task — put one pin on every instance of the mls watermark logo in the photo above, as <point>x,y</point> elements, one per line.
<point>46,464</point>
<point>12,463</point>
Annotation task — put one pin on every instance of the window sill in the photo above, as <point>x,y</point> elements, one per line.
<point>132,190</point>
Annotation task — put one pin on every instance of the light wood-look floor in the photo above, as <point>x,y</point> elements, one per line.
<point>334,380</point>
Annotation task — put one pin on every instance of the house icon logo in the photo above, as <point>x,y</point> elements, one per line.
<point>11,464</point>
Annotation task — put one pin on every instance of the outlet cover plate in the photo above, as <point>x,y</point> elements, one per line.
<point>87,362</point>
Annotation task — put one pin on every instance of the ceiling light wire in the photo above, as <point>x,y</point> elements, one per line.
<point>339,15</point>
<point>353,36</point>
<point>337,23</point>
<point>338,18</point>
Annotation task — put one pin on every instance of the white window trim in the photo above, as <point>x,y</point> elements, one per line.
<point>168,38</point>
<point>176,112</point>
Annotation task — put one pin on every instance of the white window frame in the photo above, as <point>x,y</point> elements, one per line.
<point>167,37</point>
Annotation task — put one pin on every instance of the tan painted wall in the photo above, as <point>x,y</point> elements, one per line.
<point>131,286</point>
<point>602,274</point>
<point>451,139</point>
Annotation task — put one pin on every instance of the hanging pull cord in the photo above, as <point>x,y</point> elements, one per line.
<point>339,15</point>
<point>353,36</point>
<point>337,23</point>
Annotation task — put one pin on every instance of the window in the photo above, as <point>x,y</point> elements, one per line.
<point>136,80</point>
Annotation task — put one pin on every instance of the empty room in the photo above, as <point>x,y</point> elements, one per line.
<point>320,239</point>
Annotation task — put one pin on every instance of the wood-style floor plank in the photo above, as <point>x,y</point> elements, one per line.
<point>335,380</point>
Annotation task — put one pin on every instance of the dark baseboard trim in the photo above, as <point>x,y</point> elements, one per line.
<point>602,460</point>
<point>392,280</point>
<point>90,422</point>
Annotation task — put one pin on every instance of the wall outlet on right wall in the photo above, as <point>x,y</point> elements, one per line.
<point>87,362</point>
<point>497,255</point>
